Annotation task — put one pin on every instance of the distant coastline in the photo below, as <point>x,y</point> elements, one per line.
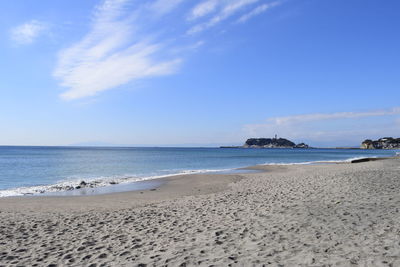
<point>331,148</point>
<point>382,143</point>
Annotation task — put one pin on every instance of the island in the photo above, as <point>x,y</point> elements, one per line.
<point>269,143</point>
<point>382,143</point>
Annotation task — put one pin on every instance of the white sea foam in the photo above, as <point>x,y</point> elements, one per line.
<point>75,183</point>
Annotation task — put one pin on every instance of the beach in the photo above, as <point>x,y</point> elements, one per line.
<point>291,215</point>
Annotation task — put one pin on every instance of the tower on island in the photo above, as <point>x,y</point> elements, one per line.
<point>276,136</point>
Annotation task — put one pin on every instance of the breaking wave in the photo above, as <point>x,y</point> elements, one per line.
<point>75,184</point>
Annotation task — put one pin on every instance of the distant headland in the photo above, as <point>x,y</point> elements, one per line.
<point>382,143</point>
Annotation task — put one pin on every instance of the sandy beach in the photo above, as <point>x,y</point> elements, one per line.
<point>298,215</point>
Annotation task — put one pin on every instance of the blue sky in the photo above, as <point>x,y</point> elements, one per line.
<point>206,72</point>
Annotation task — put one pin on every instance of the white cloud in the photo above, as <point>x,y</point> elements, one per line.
<point>257,11</point>
<point>165,6</point>
<point>326,116</point>
<point>204,8</point>
<point>109,55</point>
<point>28,32</point>
<point>135,62</point>
<point>228,9</point>
<point>127,42</point>
<point>319,127</point>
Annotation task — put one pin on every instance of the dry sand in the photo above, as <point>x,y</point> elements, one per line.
<point>312,215</point>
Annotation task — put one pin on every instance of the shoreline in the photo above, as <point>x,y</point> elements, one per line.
<point>179,185</point>
<point>91,189</point>
<point>103,186</point>
<point>303,215</point>
<point>170,188</point>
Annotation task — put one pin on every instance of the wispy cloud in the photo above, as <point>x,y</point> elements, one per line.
<point>331,116</point>
<point>317,126</point>
<point>257,11</point>
<point>165,6</point>
<point>203,9</point>
<point>228,8</point>
<point>124,43</point>
<point>28,32</point>
<point>109,55</point>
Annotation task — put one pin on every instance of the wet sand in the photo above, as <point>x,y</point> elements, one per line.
<point>301,215</point>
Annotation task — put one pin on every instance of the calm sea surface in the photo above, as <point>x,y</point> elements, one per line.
<point>31,170</point>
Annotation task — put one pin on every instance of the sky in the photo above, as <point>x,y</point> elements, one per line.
<point>198,73</point>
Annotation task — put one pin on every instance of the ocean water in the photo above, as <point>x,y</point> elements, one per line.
<point>36,170</point>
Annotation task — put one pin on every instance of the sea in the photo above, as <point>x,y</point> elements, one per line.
<point>31,171</point>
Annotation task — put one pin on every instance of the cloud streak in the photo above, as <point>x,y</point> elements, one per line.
<point>317,126</point>
<point>257,11</point>
<point>227,9</point>
<point>326,116</point>
<point>203,9</point>
<point>126,43</point>
<point>165,6</point>
<point>109,56</point>
<point>28,32</point>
